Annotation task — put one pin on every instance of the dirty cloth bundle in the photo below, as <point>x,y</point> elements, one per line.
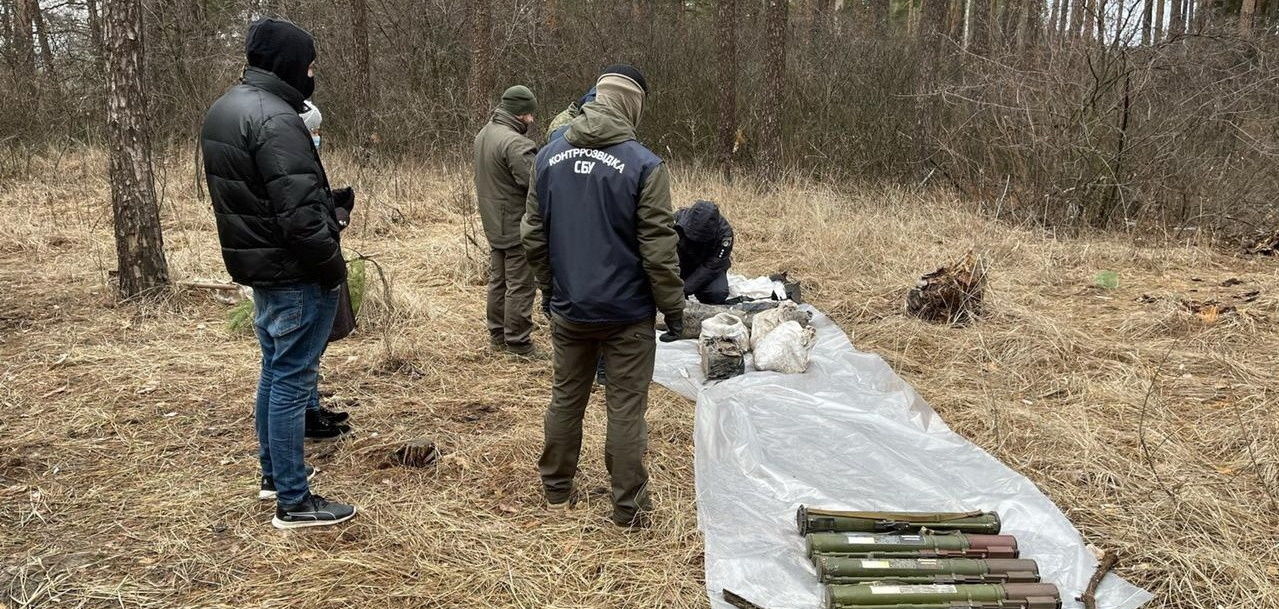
<point>848,434</point>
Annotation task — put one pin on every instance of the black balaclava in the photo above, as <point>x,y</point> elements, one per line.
<point>283,49</point>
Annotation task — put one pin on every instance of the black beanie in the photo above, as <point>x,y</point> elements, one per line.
<point>628,71</point>
<point>283,49</point>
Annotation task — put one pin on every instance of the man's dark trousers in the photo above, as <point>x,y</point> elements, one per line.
<point>628,351</point>
<point>715,292</point>
<point>511,291</point>
<point>293,324</point>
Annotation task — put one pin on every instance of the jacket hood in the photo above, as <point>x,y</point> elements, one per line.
<point>700,222</point>
<point>599,126</point>
<point>502,116</point>
<point>283,49</point>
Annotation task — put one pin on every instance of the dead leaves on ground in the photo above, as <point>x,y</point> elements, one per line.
<point>1213,309</point>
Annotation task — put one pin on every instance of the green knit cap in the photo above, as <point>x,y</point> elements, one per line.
<point>518,100</point>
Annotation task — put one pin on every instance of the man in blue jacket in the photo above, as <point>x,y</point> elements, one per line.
<point>600,237</point>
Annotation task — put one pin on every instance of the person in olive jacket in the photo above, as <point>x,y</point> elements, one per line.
<point>503,159</point>
<point>278,228</point>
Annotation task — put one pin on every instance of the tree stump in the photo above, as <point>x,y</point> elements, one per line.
<point>1265,245</point>
<point>416,453</point>
<point>951,294</point>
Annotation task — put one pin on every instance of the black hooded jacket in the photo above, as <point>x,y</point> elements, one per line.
<point>705,245</point>
<point>271,198</point>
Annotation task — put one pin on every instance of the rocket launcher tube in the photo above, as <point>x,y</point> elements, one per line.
<point>844,570</point>
<point>923,545</point>
<point>943,596</point>
<point>815,520</point>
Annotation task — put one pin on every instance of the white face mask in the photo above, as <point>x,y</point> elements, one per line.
<point>315,139</point>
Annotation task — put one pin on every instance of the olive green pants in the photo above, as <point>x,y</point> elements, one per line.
<point>627,352</point>
<point>510,297</point>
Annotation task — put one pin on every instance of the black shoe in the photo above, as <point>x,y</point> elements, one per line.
<point>317,428</point>
<point>332,416</point>
<point>267,489</point>
<point>525,351</point>
<point>314,511</point>
<point>640,520</point>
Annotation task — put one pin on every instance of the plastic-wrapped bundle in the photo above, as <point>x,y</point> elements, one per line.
<point>695,313</point>
<point>767,321</point>
<point>723,344</point>
<point>786,349</point>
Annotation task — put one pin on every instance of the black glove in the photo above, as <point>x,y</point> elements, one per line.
<point>333,272</point>
<point>344,198</point>
<point>674,328</point>
<point>344,217</point>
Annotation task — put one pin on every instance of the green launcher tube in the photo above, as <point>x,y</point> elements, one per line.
<point>923,545</point>
<point>943,596</point>
<point>845,570</point>
<point>815,520</point>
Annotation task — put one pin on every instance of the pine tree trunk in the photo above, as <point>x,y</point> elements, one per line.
<point>1158,33</point>
<point>1032,23</point>
<point>979,26</point>
<point>726,33</point>
<point>550,18</point>
<point>1147,15</point>
<point>932,20</point>
<point>1087,28</point>
<point>1176,23</point>
<point>641,30</point>
<point>24,45</point>
<point>481,72</point>
<point>142,270</point>
<point>966,37</point>
<point>46,53</point>
<point>6,25</point>
<point>95,35</point>
<point>955,19</point>
<point>366,96</point>
<point>1203,14</point>
<point>880,13</point>
<point>820,9</point>
<point>1101,21</point>
<point>1247,13</point>
<point>1077,18</point>
<point>771,149</point>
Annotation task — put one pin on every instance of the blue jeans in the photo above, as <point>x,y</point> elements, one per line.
<point>293,325</point>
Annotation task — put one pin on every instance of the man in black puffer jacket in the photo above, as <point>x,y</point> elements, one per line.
<point>278,228</point>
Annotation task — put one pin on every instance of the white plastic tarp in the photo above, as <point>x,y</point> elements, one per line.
<point>847,434</point>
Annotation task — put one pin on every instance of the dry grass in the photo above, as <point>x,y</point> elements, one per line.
<point>128,471</point>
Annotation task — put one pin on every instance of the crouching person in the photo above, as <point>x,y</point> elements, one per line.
<point>601,240</point>
<point>705,251</point>
<point>278,228</point>
<point>503,159</point>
